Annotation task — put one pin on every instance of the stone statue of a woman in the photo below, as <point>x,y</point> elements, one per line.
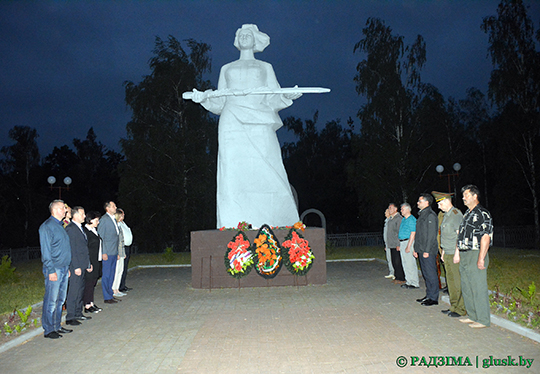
<point>252,184</point>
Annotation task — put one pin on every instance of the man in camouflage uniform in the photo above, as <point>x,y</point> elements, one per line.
<point>449,227</point>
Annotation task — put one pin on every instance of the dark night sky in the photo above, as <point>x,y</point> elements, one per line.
<point>63,63</point>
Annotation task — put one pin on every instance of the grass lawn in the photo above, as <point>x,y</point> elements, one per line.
<point>27,289</point>
<point>183,258</point>
<point>508,268</point>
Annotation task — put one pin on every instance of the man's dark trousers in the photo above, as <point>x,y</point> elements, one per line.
<point>126,263</point>
<point>429,272</point>
<point>74,301</point>
<point>398,266</point>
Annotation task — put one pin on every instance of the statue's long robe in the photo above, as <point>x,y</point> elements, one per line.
<point>252,184</point>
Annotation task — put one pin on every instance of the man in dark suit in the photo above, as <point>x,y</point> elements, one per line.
<point>108,230</point>
<point>80,263</point>
<point>426,248</point>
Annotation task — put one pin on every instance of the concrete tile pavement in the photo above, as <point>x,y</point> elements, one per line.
<point>358,323</point>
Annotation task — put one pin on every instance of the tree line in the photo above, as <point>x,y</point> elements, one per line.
<point>165,176</point>
<point>25,194</point>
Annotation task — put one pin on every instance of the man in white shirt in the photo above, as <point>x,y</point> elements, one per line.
<point>128,240</point>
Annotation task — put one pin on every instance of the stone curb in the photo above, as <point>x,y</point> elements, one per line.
<point>496,320</point>
<point>506,324</point>
<point>39,331</point>
<point>21,339</point>
<point>26,336</point>
<point>501,322</point>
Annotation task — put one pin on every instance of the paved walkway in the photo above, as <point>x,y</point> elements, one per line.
<point>358,323</point>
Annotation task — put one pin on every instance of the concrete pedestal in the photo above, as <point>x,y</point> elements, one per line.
<point>208,269</point>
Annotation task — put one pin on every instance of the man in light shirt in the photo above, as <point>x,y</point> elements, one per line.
<point>474,239</point>
<point>108,230</point>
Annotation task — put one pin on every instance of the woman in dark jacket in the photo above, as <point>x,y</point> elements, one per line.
<point>94,252</point>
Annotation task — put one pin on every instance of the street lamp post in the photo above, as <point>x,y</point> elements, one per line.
<point>456,167</point>
<point>52,180</point>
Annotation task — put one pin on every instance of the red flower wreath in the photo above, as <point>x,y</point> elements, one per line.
<point>239,257</point>
<point>297,255</point>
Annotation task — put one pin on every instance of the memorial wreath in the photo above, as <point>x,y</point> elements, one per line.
<point>239,259</point>
<point>267,252</point>
<point>297,255</point>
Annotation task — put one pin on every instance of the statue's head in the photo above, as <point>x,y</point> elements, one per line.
<point>260,39</point>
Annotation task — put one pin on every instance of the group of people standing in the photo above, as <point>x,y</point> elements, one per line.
<point>76,249</point>
<point>462,241</point>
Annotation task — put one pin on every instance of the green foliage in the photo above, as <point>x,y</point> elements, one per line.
<point>513,274</point>
<point>27,288</point>
<point>316,166</point>
<point>389,77</point>
<point>168,254</point>
<point>24,316</point>
<point>180,258</point>
<point>406,125</point>
<point>514,87</point>
<point>168,179</point>
<point>92,167</point>
<point>13,325</point>
<point>7,328</point>
<point>330,248</point>
<point>7,272</point>
<point>20,170</point>
<point>529,293</point>
<point>515,309</point>
<point>513,54</point>
<point>509,268</point>
<point>91,162</point>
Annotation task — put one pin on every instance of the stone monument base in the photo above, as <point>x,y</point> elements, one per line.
<point>208,268</point>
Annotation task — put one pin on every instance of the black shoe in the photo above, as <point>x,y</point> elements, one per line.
<point>63,330</point>
<point>411,287</point>
<point>429,302</point>
<point>446,311</point>
<point>89,310</point>
<point>96,308</point>
<point>454,314</point>
<point>72,322</point>
<point>110,301</point>
<point>125,289</point>
<point>82,318</point>
<point>53,335</point>
<point>444,290</point>
<point>117,300</point>
<point>404,285</point>
<point>422,299</point>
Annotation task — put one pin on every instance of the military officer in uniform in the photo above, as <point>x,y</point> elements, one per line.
<point>449,227</point>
